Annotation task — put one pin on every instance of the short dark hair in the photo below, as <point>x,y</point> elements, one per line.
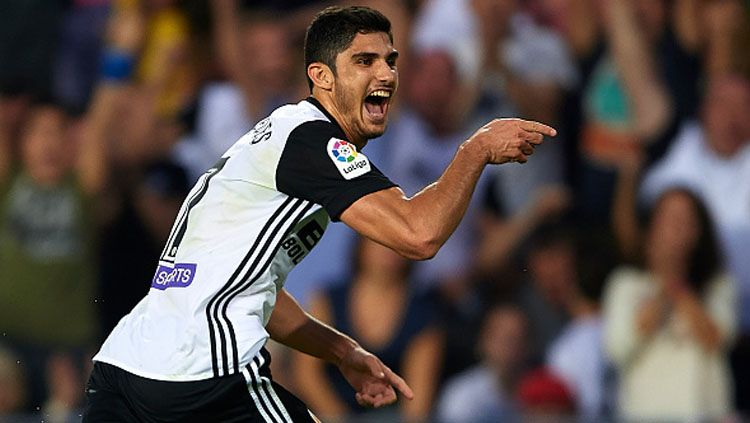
<point>333,30</point>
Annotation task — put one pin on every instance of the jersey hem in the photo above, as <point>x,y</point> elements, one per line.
<point>155,376</point>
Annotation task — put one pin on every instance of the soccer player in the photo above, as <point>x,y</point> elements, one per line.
<point>192,349</point>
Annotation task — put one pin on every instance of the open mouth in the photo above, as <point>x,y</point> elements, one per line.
<point>376,104</point>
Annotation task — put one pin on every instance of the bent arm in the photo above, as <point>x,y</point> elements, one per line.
<point>417,227</point>
<point>375,384</point>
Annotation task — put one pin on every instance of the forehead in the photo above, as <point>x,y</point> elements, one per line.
<point>373,42</point>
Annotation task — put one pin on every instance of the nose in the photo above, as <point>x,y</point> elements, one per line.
<point>385,73</point>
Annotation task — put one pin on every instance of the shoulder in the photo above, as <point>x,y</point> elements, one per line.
<point>464,384</point>
<point>301,128</point>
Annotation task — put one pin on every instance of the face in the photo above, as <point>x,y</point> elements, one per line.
<point>269,40</point>
<point>553,271</point>
<point>436,106</point>
<point>45,155</point>
<point>504,339</point>
<point>674,229</point>
<point>364,84</point>
<point>725,115</point>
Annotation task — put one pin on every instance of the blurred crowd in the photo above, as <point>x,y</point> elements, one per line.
<point>608,279</point>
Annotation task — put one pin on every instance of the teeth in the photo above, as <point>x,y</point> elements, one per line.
<point>381,93</point>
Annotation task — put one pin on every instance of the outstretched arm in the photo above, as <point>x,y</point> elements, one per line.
<point>373,381</point>
<point>417,227</point>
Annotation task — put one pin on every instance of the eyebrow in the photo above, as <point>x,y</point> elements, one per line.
<point>368,55</point>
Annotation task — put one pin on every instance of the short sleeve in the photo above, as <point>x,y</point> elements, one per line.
<point>319,165</point>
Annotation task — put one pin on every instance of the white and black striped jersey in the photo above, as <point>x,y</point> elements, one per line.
<point>243,227</point>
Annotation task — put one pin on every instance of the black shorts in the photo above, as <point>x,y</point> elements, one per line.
<point>114,395</point>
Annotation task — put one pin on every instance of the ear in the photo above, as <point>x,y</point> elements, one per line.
<point>321,75</point>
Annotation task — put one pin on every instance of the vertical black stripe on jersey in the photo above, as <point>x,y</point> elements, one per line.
<point>182,228</point>
<point>180,218</point>
<point>277,220</point>
<point>253,248</point>
<point>248,280</point>
<point>178,231</point>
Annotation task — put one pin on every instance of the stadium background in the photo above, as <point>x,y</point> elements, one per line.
<point>538,305</point>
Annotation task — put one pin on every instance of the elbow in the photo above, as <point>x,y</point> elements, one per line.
<point>420,247</point>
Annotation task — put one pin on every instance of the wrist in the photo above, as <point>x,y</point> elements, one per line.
<point>118,65</point>
<point>474,151</point>
<point>341,349</point>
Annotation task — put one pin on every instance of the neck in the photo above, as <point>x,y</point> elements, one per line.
<point>326,99</point>
<point>581,308</point>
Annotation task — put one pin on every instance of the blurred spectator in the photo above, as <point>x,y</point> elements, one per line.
<point>639,81</point>
<point>527,71</point>
<point>502,234</point>
<point>712,157</point>
<point>577,355</point>
<point>250,89</point>
<point>486,393</point>
<point>48,265</point>
<point>520,68</point>
<point>386,315</point>
<point>525,62</point>
<point>547,285</point>
<point>47,256</point>
<point>669,325</point>
<point>727,29</point>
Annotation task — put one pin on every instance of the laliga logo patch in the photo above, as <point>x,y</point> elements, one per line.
<point>343,151</point>
<point>344,155</point>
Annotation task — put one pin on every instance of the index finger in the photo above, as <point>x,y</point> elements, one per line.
<point>399,383</point>
<point>533,126</point>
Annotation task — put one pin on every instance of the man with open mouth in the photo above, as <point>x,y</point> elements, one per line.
<point>193,348</point>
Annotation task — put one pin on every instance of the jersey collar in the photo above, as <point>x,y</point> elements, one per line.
<point>314,101</point>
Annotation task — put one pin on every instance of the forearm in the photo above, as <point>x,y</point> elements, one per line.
<point>226,35</point>
<point>293,327</point>
<point>705,331</point>
<point>501,239</point>
<point>632,57</point>
<point>438,208</point>
<point>417,227</point>
<point>687,24</point>
<point>624,214</point>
